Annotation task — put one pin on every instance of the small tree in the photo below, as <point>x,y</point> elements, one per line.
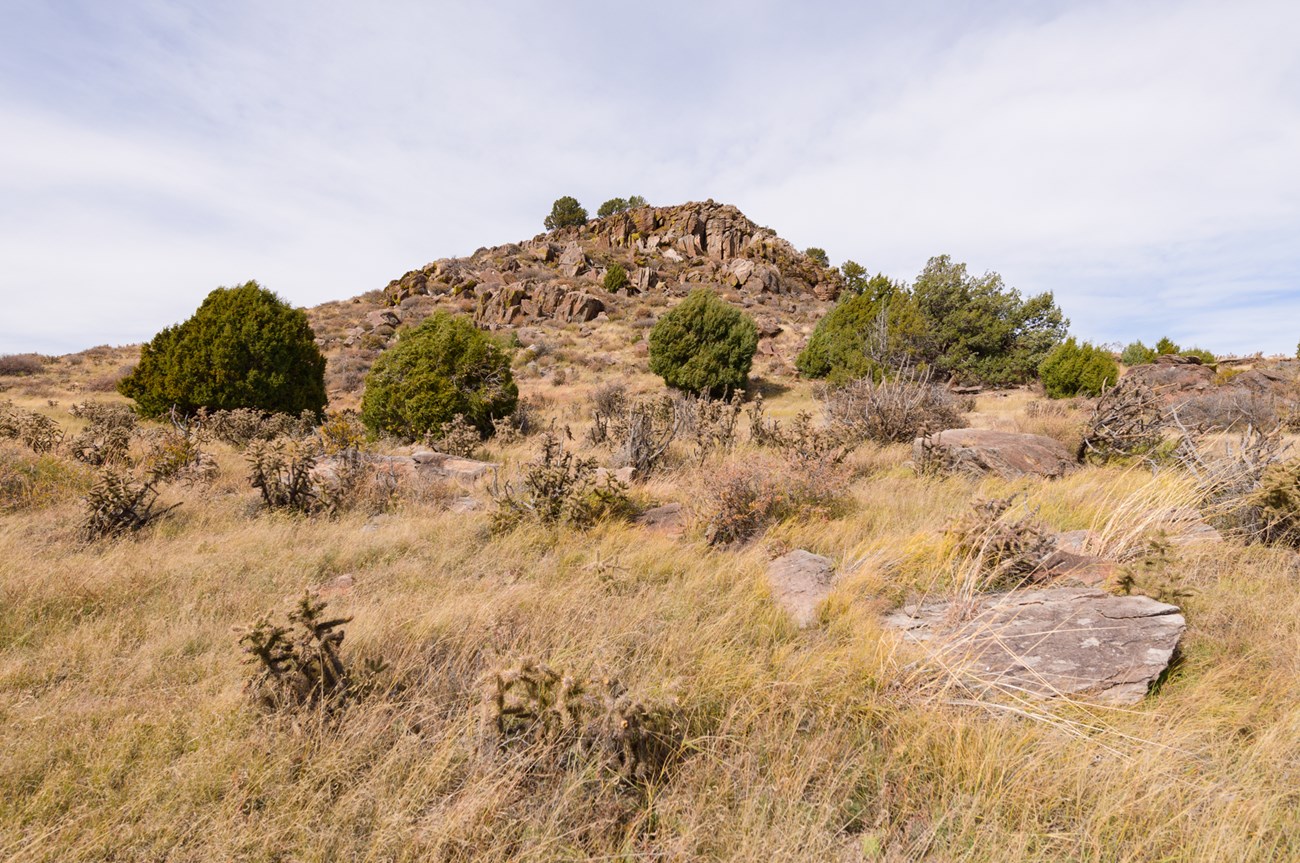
<point>442,368</point>
<point>1073,369</point>
<point>1136,354</point>
<point>1165,346</point>
<point>243,348</point>
<point>565,212</point>
<point>866,334</point>
<point>703,345</point>
<point>636,201</point>
<point>819,256</point>
<point>612,206</point>
<point>615,278</point>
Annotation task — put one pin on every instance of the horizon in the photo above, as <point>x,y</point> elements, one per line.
<point>1136,162</point>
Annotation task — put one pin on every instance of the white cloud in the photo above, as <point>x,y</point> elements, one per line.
<point>1134,158</point>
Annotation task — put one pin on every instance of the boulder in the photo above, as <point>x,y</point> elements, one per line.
<point>800,580</point>
<point>1007,454</point>
<point>573,262</point>
<point>453,467</point>
<point>667,519</point>
<point>1067,641</point>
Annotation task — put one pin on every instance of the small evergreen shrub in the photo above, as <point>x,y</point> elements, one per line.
<point>442,368</point>
<point>869,331</point>
<point>615,278</point>
<point>1072,369</point>
<point>1137,354</point>
<point>1165,346</point>
<point>704,345</point>
<point>243,348</point>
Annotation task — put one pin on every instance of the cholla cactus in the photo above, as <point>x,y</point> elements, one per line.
<point>299,665</point>
<point>118,504</point>
<point>281,471</point>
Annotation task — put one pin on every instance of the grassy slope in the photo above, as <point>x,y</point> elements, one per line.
<point>125,734</point>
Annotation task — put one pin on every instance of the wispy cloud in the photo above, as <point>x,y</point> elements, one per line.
<point>1137,159</point>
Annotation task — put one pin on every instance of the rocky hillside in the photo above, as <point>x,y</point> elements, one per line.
<point>558,278</point>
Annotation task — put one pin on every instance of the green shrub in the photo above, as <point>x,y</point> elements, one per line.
<point>1073,369</point>
<point>615,278</point>
<point>1201,354</point>
<point>703,345</point>
<point>818,256</point>
<point>866,333</point>
<point>612,206</point>
<point>243,348</point>
<point>1165,346</point>
<point>1137,354</point>
<point>566,212</point>
<point>440,369</point>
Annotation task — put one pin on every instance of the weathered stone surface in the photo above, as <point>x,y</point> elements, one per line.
<point>451,466</point>
<point>573,261</point>
<point>1174,381</point>
<point>1008,454</point>
<point>800,580</point>
<point>1070,641</point>
<point>667,519</point>
<point>1062,568</point>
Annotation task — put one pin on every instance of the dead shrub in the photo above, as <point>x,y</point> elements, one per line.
<point>298,665</point>
<point>639,432</point>
<point>801,442</point>
<point>1008,552</point>
<point>1129,420</point>
<point>21,365</point>
<point>1230,481</point>
<point>740,499</point>
<point>903,408</point>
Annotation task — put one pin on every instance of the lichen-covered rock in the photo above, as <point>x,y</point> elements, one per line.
<point>1007,454</point>
<point>1072,642</point>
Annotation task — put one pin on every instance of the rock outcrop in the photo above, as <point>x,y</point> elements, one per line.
<point>1074,642</point>
<point>1007,454</point>
<point>559,276</point>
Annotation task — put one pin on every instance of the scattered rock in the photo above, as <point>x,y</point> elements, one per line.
<point>465,503</point>
<point>1183,526</point>
<point>800,580</point>
<point>454,467</point>
<point>339,586</point>
<point>667,519</point>
<point>1008,454</point>
<point>1070,641</point>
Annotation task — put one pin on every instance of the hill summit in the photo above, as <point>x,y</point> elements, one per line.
<point>561,274</point>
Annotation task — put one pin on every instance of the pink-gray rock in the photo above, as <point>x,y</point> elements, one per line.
<point>667,519</point>
<point>1069,641</point>
<point>1007,454</point>
<point>453,467</point>
<point>800,580</point>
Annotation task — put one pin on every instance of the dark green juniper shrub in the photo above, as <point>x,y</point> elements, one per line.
<point>704,345</point>
<point>442,369</point>
<point>1073,369</point>
<point>243,348</point>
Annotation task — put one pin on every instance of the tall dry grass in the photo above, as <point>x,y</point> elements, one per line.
<point>125,733</point>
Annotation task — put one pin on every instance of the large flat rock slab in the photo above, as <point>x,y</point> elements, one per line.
<point>1069,641</point>
<point>800,580</point>
<point>1007,454</point>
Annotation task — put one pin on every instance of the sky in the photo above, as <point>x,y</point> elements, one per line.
<point>1139,160</point>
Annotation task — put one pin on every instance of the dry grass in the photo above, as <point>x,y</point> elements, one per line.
<point>126,734</point>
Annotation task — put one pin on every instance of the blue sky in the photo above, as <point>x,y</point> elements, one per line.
<point>1141,160</point>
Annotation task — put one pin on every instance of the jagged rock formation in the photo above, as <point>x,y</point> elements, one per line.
<point>560,276</point>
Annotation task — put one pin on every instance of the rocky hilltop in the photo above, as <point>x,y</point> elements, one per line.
<point>561,275</point>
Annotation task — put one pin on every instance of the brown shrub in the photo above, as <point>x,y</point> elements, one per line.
<point>891,411</point>
<point>21,365</point>
<point>740,499</point>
